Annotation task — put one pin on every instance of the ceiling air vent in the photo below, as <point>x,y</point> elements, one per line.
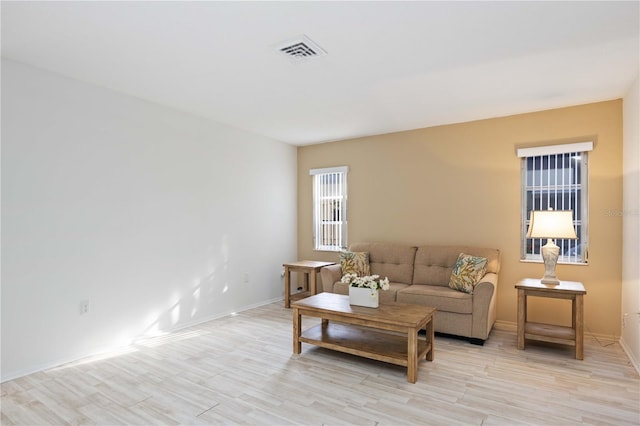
<point>300,49</point>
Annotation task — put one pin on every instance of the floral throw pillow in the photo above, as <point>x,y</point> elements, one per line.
<point>355,263</point>
<point>467,272</point>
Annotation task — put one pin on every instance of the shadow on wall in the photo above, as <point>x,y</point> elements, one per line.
<point>163,328</point>
<point>198,303</point>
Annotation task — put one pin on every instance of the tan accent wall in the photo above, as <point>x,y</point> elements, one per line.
<point>460,184</point>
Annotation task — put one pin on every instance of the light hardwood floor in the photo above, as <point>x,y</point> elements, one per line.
<point>240,370</point>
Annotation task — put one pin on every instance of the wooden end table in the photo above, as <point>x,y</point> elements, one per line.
<point>309,268</point>
<point>573,335</point>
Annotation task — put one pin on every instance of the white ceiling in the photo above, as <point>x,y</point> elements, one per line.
<point>390,66</point>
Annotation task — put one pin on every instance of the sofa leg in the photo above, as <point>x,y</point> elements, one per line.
<point>476,341</point>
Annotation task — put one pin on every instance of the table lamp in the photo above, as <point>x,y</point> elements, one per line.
<point>551,224</point>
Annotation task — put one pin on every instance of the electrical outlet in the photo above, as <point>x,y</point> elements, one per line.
<point>84,307</point>
<point>246,277</point>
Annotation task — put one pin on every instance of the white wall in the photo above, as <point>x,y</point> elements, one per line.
<point>154,216</point>
<point>630,339</point>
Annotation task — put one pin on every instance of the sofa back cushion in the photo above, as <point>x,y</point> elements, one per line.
<point>394,261</point>
<point>434,264</point>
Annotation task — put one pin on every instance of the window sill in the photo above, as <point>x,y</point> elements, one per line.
<point>559,262</point>
<point>329,250</point>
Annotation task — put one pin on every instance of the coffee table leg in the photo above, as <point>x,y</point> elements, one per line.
<point>297,329</point>
<point>430,334</point>
<point>412,355</point>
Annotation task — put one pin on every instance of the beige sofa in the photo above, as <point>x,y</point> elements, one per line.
<point>420,275</point>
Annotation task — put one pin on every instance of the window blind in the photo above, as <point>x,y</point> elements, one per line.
<point>329,211</point>
<point>555,177</point>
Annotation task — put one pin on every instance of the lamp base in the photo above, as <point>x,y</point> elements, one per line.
<point>550,253</point>
<point>550,281</point>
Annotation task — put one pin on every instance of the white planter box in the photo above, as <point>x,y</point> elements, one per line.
<point>362,296</point>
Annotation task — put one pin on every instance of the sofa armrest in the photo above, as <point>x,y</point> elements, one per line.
<point>329,275</point>
<point>484,306</point>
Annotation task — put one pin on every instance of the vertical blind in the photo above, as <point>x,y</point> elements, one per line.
<point>555,177</point>
<point>329,208</point>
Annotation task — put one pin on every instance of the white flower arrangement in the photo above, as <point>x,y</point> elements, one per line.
<point>370,281</point>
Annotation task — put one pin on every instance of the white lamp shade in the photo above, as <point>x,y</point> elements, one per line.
<point>551,224</point>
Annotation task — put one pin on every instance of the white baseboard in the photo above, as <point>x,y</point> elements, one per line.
<point>505,326</point>
<point>102,352</point>
<point>498,325</point>
<point>513,327</point>
<point>627,350</point>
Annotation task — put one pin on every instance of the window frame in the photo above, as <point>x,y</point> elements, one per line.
<point>552,190</point>
<point>324,216</point>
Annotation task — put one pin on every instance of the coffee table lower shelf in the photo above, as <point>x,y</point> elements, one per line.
<point>366,342</point>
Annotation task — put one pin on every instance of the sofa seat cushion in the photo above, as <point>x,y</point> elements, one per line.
<point>385,296</point>
<point>439,297</point>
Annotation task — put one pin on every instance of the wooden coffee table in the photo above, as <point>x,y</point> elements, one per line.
<point>388,333</point>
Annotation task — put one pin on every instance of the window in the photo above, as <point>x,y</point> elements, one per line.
<point>555,177</point>
<point>330,208</point>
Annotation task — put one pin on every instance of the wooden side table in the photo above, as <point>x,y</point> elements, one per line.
<point>573,335</point>
<point>310,268</point>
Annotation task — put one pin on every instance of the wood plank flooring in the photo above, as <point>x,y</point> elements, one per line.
<point>240,370</point>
